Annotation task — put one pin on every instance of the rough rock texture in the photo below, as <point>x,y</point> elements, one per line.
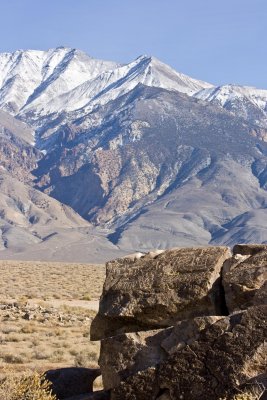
<point>140,351</point>
<point>186,332</point>
<point>156,291</point>
<point>123,355</point>
<point>261,295</point>
<point>18,155</point>
<point>141,386</point>
<point>212,367</point>
<point>244,277</point>
<point>212,307</point>
<point>68,382</point>
<point>248,249</point>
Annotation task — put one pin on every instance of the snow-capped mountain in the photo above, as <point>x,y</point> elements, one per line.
<point>150,157</point>
<point>110,84</point>
<point>67,79</point>
<point>25,75</point>
<point>245,101</point>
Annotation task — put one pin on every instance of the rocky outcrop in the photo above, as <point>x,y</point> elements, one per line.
<point>212,367</point>
<point>140,351</point>
<point>155,291</point>
<point>188,348</point>
<point>244,277</point>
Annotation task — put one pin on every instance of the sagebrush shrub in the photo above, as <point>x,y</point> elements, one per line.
<point>26,387</point>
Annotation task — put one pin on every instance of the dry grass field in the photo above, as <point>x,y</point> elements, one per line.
<point>46,311</point>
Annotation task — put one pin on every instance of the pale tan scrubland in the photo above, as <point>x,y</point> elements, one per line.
<point>46,311</point>
<point>45,280</point>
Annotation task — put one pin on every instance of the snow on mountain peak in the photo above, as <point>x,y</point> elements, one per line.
<point>245,101</point>
<point>224,93</point>
<point>35,83</point>
<point>65,79</point>
<point>24,75</point>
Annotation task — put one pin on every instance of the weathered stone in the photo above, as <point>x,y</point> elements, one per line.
<point>244,278</point>
<point>226,356</point>
<point>141,386</point>
<point>155,291</point>
<point>67,382</point>
<point>126,354</point>
<point>205,356</point>
<point>123,355</point>
<point>249,249</point>
<point>261,295</point>
<point>186,332</point>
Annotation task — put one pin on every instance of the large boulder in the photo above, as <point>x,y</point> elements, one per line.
<point>185,324</point>
<point>226,358</point>
<point>244,277</point>
<point>157,290</point>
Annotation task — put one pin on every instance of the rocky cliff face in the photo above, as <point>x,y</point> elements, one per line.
<point>18,155</point>
<point>185,324</point>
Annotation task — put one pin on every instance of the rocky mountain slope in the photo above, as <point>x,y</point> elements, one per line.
<point>149,157</point>
<point>35,226</point>
<point>247,102</point>
<point>18,154</point>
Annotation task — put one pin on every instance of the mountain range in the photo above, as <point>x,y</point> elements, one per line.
<point>100,159</point>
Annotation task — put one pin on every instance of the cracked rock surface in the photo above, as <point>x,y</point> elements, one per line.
<point>155,291</point>
<point>244,278</point>
<point>184,324</point>
<point>211,367</point>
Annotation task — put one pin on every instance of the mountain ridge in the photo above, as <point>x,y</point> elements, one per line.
<point>150,157</point>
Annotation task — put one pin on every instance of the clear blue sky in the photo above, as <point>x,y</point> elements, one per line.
<point>221,41</point>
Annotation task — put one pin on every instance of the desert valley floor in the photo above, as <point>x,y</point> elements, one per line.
<point>46,311</point>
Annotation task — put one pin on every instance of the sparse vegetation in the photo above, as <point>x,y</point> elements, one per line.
<point>45,319</point>
<point>84,359</point>
<point>22,281</point>
<point>26,387</point>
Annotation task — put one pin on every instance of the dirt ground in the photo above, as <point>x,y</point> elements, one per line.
<point>46,311</point>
